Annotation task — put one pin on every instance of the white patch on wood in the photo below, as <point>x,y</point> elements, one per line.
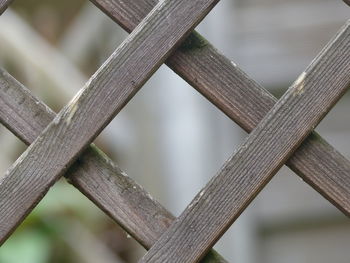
<point>197,199</point>
<point>299,84</point>
<point>72,109</point>
<point>123,173</point>
<point>56,120</point>
<point>75,99</point>
<point>149,196</point>
<point>73,104</point>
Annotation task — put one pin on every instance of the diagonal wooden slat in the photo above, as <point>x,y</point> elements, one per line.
<point>94,174</point>
<point>4,4</point>
<point>244,101</point>
<point>266,149</point>
<point>74,128</point>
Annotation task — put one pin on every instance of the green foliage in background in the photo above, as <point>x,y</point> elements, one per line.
<point>43,237</point>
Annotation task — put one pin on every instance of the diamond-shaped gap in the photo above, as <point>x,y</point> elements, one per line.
<point>53,47</point>
<point>33,59</point>
<point>55,67</point>
<point>171,140</point>
<point>272,40</point>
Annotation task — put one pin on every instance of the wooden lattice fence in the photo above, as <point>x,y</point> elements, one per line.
<point>281,131</point>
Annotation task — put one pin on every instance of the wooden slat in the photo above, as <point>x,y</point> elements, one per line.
<point>94,174</point>
<point>74,128</point>
<point>266,149</point>
<point>244,101</point>
<point>4,4</point>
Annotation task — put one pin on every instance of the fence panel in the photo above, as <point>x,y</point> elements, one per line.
<point>279,129</point>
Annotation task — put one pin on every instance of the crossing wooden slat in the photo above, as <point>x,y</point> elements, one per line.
<point>4,4</point>
<point>94,174</point>
<point>242,100</point>
<point>111,87</point>
<point>266,149</point>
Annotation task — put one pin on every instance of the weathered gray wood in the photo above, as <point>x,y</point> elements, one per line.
<point>94,174</point>
<point>244,101</point>
<point>74,128</point>
<point>4,4</point>
<point>266,149</point>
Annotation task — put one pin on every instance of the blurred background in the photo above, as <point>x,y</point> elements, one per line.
<point>53,47</point>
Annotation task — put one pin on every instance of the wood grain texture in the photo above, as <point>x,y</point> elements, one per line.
<point>266,149</point>
<point>243,100</point>
<point>106,93</point>
<point>4,4</point>
<point>94,174</point>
